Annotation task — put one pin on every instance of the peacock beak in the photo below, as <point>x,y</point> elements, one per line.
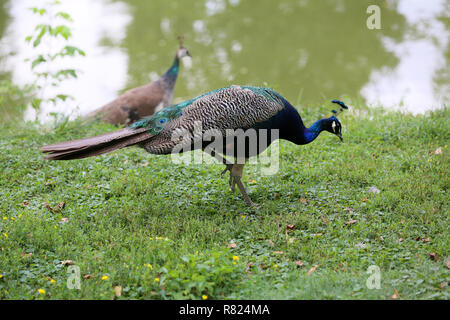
<point>340,136</point>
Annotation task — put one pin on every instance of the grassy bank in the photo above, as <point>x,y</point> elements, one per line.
<point>142,227</point>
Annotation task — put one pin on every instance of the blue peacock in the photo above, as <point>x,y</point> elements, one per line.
<point>234,109</point>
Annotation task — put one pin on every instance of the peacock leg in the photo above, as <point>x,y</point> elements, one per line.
<point>236,173</point>
<point>228,166</point>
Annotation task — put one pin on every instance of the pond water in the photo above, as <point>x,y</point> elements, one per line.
<point>310,51</point>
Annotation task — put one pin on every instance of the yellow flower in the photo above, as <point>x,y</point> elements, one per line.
<point>5,218</point>
<point>151,238</point>
<point>156,280</point>
<point>12,218</point>
<point>236,258</point>
<point>1,276</point>
<point>20,215</point>
<point>275,266</point>
<point>52,281</point>
<point>234,262</point>
<point>159,238</point>
<point>105,278</point>
<point>41,291</point>
<point>149,266</point>
<point>204,297</point>
<point>6,236</point>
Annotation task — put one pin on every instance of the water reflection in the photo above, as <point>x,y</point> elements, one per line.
<point>412,84</point>
<point>310,51</point>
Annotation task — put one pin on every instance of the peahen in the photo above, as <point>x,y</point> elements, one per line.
<point>144,100</point>
<point>236,107</point>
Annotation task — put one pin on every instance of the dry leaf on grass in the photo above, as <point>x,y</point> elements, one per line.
<point>26,255</point>
<point>118,291</point>
<point>88,276</point>
<point>447,263</point>
<point>67,262</point>
<point>351,222</point>
<point>278,252</point>
<point>395,295</point>
<point>325,220</point>
<point>299,263</point>
<point>290,226</point>
<point>312,270</point>
<point>303,200</point>
<point>231,245</point>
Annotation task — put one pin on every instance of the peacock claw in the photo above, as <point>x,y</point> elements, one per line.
<point>227,168</point>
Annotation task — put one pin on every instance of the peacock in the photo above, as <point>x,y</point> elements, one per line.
<point>144,100</point>
<point>229,112</point>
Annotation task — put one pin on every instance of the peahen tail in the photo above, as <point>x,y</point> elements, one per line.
<point>88,147</point>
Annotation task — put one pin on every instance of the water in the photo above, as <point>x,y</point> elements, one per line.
<point>309,51</point>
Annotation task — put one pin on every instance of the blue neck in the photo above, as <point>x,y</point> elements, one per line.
<point>313,132</point>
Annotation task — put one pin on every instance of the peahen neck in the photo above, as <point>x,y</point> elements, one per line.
<point>172,73</point>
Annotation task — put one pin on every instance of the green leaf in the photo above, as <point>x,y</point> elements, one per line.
<point>70,50</point>
<point>64,15</point>
<point>39,11</point>
<point>44,28</point>
<point>63,97</point>
<point>36,103</point>
<point>61,30</point>
<point>66,73</point>
<point>37,61</point>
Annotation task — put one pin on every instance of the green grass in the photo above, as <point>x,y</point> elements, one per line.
<point>129,209</point>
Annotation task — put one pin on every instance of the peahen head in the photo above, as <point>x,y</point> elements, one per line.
<point>182,51</point>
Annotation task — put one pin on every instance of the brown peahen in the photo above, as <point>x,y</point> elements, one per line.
<point>144,100</point>
<point>228,112</point>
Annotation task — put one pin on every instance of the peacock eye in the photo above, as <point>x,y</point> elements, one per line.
<point>162,120</point>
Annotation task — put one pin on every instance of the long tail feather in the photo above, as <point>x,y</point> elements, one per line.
<point>88,147</point>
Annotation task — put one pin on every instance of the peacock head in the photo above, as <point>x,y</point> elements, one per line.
<point>332,124</point>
